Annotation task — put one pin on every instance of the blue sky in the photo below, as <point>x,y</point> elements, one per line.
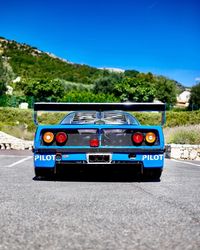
<point>162,37</point>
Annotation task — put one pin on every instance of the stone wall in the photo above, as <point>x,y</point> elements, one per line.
<point>183,151</point>
<point>11,142</point>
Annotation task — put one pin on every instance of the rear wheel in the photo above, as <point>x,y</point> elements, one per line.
<point>44,172</point>
<point>152,174</point>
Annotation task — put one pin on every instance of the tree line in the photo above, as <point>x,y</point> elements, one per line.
<point>138,87</point>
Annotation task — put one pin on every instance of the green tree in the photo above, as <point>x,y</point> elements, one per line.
<point>106,84</point>
<point>44,90</point>
<point>195,97</point>
<point>103,85</point>
<point>166,90</point>
<point>138,89</point>
<point>131,73</point>
<point>2,78</point>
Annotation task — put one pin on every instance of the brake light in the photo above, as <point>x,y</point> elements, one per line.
<point>137,138</point>
<point>150,137</point>
<point>94,143</point>
<point>61,137</point>
<point>48,137</point>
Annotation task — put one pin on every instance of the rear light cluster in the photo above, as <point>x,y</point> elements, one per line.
<point>138,138</point>
<point>60,138</point>
<point>149,138</point>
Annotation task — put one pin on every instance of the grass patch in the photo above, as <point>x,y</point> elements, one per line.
<point>19,122</point>
<point>173,119</point>
<point>183,134</point>
<point>182,118</point>
<point>19,132</point>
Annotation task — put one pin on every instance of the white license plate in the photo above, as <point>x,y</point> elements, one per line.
<point>99,158</point>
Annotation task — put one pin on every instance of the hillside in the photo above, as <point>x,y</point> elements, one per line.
<point>29,62</point>
<point>42,76</point>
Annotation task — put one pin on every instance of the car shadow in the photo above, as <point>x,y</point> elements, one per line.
<point>97,175</point>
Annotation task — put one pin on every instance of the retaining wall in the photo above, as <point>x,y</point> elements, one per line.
<point>183,151</point>
<point>11,142</point>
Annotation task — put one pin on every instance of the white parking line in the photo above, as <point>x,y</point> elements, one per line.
<point>185,162</point>
<point>18,162</point>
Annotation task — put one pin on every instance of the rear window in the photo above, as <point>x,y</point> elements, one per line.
<point>92,117</point>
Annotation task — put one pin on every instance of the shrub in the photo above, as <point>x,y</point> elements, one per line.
<point>195,96</point>
<point>147,118</point>
<point>182,118</point>
<point>44,90</point>
<point>183,135</point>
<point>186,137</point>
<point>51,118</point>
<point>14,101</point>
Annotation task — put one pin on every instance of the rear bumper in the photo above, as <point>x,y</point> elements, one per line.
<point>147,159</point>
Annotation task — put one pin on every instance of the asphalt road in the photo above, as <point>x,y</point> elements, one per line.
<point>103,214</point>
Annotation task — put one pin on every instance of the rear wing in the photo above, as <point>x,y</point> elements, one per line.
<point>100,107</point>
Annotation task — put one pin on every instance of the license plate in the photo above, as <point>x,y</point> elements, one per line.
<point>99,158</point>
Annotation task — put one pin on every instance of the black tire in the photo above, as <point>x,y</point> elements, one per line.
<point>152,174</point>
<point>44,172</point>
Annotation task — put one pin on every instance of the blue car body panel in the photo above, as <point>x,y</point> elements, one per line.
<point>143,154</point>
<point>149,160</point>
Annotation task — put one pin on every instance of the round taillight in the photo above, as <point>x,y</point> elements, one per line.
<point>137,138</point>
<point>61,137</point>
<point>48,137</point>
<point>150,137</point>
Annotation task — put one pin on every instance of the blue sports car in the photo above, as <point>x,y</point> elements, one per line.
<point>102,134</point>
